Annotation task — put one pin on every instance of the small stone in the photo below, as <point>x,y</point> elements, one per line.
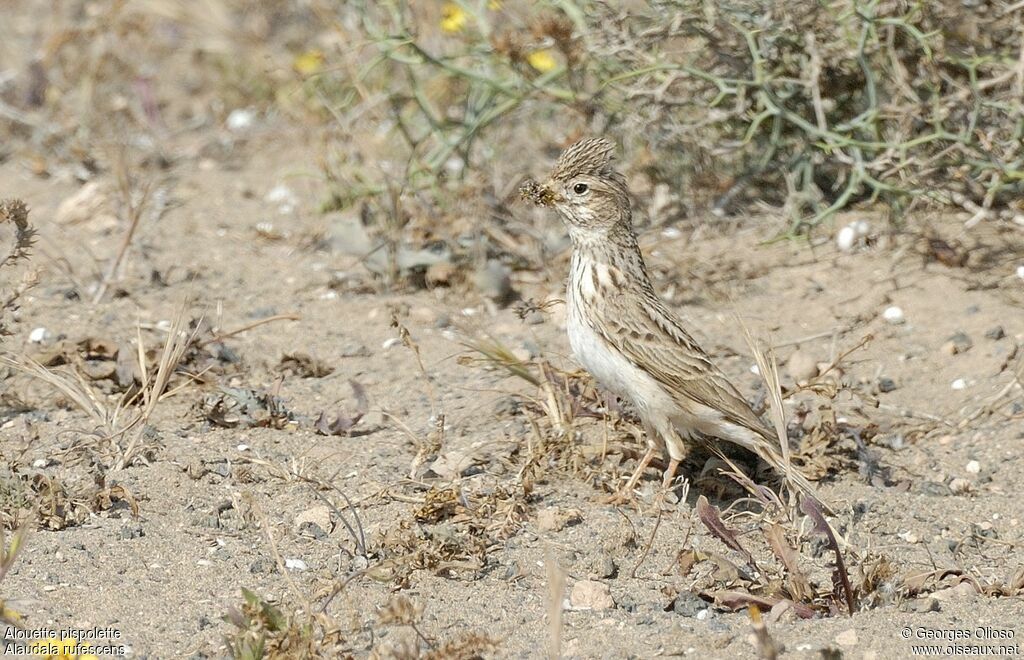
<point>240,119</point>
<point>451,464</point>
<point>554,519</point>
<point>689,604</point>
<point>801,367</point>
<point>129,532</point>
<point>996,333</point>
<point>894,315</point>
<point>921,605</point>
<point>315,521</point>
<point>1020,272</point>
<point>934,489</point>
<point>606,568</point>
<point>962,590</point>
<point>958,343</point>
<point>973,467</point>
<point>886,384</point>
<point>847,638</point>
<point>846,238</point>
<point>39,335</point>
<point>591,595</point>
<point>909,537</point>
<point>959,384</point>
<point>295,565</point>
<point>959,486</point>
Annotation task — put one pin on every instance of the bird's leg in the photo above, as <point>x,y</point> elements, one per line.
<point>670,473</point>
<point>626,492</point>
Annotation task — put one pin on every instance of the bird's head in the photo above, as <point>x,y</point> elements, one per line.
<point>588,194</point>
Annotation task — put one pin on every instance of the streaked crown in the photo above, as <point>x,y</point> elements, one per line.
<point>588,156</point>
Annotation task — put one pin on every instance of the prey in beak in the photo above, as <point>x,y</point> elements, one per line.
<point>536,193</point>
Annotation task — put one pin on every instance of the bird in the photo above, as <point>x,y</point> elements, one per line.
<point>627,337</point>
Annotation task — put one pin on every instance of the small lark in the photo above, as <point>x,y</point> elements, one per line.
<point>625,336</point>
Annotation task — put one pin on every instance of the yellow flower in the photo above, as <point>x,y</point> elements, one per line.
<point>308,63</point>
<point>56,649</point>
<point>453,17</point>
<point>542,60</point>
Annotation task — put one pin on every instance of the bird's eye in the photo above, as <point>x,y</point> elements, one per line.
<point>580,188</point>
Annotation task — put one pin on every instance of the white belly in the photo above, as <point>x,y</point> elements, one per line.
<point>612,370</point>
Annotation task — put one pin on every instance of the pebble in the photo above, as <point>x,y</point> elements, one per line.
<point>591,595</point>
<point>921,605</point>
<point>958,343</point>
<point>315,521</point>
<point>283,197</point>
<point>996,333</point>
<point>801,366</point>
<point>959,384</point>
<point>846,238</point>
<point>296,564</point>
<point>959,486</point>
<point>39,335</point>
<point>607,568</point>
<point>1020,272</point>
<point>886,384</point>
<point>894,315</point>
<point>555,519</point>
<point>689,604</point>
<point>847,638</point>
<point>962,590</point>
<point>973,467</point>
<point>241,119</point>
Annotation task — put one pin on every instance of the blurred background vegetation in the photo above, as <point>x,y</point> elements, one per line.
<point>431,113</point>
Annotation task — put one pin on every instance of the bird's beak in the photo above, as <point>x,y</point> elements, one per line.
<point>541,195</point>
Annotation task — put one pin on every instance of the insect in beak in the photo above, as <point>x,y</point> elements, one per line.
<point>538,194</point>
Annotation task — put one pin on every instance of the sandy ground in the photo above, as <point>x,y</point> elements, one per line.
<point>335,439</point>
<point>218,508</point>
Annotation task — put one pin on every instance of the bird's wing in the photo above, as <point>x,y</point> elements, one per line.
<point>652,338</point>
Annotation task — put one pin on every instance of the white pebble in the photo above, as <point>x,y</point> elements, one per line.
<point>974,467</point>
<point>671,232</point>
<point>39,335</point>
<point>241,119</point>
<point>893,315</point>
<point>755,370</point>
<point>242,447</point>
<point>391,343</point>
<point>1020,272</point>
<point>959,384</point>
<point>295,564</point>
<point>846,238</point>
<point>862,227</point>
<point>39,463</point>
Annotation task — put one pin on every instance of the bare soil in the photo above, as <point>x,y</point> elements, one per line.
<point>218,507</point>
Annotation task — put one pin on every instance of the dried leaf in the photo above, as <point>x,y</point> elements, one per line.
<point>812,508</point>
<point>738,600</point>
<point>709,516</point>
<point>799,586</point>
